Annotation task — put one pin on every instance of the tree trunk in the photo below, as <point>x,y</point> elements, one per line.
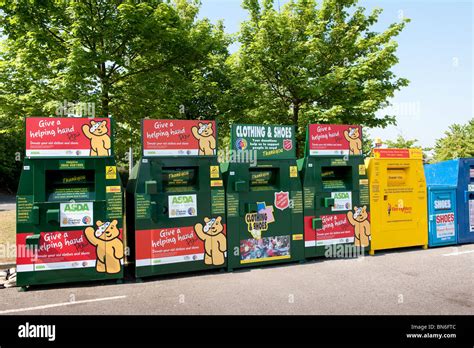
<point>105,97</point>
<point>105,100</point>
<point>296,114</point>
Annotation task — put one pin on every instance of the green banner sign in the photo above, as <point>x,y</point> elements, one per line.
<point>270,141</point>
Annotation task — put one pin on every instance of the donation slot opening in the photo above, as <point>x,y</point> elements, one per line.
<point>336,178</point>
<point>263,177</point>
<point>63,186</point>
<point>397,176</point>
<point>179,179</point>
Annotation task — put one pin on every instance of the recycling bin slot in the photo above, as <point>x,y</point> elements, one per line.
<point>151,187</point>
<point>250,207</point>
<point>261,177</point>
<point>241,186</point>
<point>328,202</point>
<point>33,240</point>
<point>52,215</point>
<point>35,214</point>
<point>71,185</point>
<point>317,223</point>
<point>397,176</point>
<point>183,178</point>
<point>336,178</point>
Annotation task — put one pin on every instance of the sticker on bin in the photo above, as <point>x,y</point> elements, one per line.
<point>76,214</point>
<point>182,206</point>
<point>342,201</point>
<point>442,204</point>
<point>470,187</point>
<point>445,225</point>
<point>471,215</point>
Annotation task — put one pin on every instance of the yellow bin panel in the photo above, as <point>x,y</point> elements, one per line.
<point>398,199</point>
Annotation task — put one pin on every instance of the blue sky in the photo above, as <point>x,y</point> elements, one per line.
<point>436,55</point>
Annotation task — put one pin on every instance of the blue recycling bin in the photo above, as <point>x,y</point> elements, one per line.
<point>442,216</point>
<point>457,173</point>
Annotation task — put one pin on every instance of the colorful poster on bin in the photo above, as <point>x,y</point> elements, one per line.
<point>68,137</point>
<point>334,139</point>
<point>266,141</point>
<point>179,138</point>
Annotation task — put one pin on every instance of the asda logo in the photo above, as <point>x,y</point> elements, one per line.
<point>182,199</point>
<point>341,195</point>
<point>77,207</point>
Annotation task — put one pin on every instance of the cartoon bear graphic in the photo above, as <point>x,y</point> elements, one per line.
<point>361,225</point>
<point>205,135</point>
<point>109,247</point>
<point>215,243</point>
<point>353,137</point>
<point>100,140</point>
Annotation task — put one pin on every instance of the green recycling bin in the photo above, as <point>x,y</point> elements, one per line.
<point>263,196</point>
<point>176,200</point>
<point>335,192</point>
<point>69,203</point>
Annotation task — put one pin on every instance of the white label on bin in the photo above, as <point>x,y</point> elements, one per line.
<point>76,214</point>
<point>26,167</point>
<point>470,187</point>
<point>442,204</point>
<point>445,225</point>
<point>182,206</point>
<point>471,215</point>
<point>342,201</point>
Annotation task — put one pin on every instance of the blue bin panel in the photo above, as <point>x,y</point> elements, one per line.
<point>442,216</point>
<point>465,201</point>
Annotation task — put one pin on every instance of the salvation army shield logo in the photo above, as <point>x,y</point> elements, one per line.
<point>287,144</point>
<point>282,200</point>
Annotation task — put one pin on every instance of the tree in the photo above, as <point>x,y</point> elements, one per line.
<point>402,143</point>
<point>132,59</point>
<point>458,142</point>
<point>312,63</point>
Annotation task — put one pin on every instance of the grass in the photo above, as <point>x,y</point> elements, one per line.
<point>7,234</point>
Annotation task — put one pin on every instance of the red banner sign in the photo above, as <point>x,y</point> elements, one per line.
<point>179,138</point>
<point>329,139</point>
<point>168,245</point>
<point>336,229</point>
<point>67,137</point>
<point>398,153</point>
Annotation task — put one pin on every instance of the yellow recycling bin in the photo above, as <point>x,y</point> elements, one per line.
<point>398,199</point>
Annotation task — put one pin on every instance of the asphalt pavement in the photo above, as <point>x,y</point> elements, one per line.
<point>403,281</point>
<point>7,202</point>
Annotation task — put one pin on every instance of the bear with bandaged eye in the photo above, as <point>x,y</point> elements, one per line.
<point>207,141</point>
<point>215,243</point>
<point>353,137</point>
<point>97,133</point>
<point>109,247</point>
<point>360,220</point>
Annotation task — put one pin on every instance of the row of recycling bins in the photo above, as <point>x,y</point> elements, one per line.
<point>186,212</point>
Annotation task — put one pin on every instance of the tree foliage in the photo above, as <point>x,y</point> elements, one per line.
<point>155,58</point>
<point>402,143</point>
<point>132,59</point>
<point>458,142</point>
<point>310,63</point>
